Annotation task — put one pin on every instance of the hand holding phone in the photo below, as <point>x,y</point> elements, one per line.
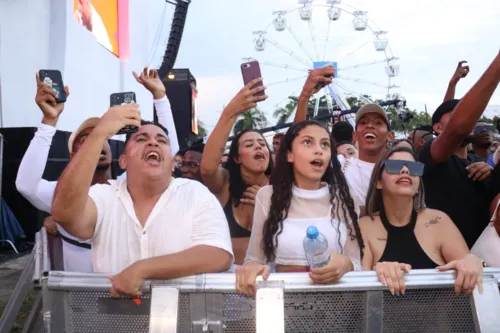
<point>117,99</point>
<point>53,79</point>
<point>117,117</point>
<point>251,71</point>
<point>318,79</point>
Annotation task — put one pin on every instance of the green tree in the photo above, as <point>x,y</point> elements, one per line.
<point>251,119</point>
<point>284,113</point>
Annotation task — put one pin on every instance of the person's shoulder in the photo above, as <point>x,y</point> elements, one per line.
<point>433,216</point>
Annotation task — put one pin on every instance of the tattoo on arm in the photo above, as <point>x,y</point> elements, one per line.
<point>382,239</point>
<point>435,220</point>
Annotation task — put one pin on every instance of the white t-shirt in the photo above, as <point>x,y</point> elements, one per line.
<point>307,208</point>
<point>186,215</point>
<point>358,174</point>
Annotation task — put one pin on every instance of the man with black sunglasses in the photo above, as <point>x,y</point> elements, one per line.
<point>190,165</point>
<point>482,140</point>
<point>454,182</point>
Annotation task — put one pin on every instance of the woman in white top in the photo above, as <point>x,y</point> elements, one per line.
<point>307,189</point>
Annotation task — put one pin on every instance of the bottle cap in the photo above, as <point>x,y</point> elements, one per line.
<point>312,232</point>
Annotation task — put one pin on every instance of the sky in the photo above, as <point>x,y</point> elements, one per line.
<point>429,37</point>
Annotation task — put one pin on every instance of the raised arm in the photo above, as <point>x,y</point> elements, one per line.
<point>29,182</point>
<point>466,114</point>
<point>319,75</point>
<point>152,82</point>
<point>215,177</point>
<point>72,207</point>
<point>461,72</point>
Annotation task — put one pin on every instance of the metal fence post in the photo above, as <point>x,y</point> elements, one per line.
<point>374,314</point>
<point>164,309</point>
<point>485,307</point>
<point>270,309</point>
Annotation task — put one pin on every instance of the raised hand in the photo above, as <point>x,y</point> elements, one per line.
<point>246,98</point>
<point>391,275</point>
<point>461,72</point>
<point>152,82</point>
<point>46,99</point>
<point>118,117</point>
<point>319,75</point>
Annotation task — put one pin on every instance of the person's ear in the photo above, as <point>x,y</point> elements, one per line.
<point>289,157</point>
<point>123,162</point>
<point>379,185</point>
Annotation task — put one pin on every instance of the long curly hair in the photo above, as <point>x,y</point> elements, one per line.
<point>282,183</point>
<point>374,199</point>
<point>236,183</point>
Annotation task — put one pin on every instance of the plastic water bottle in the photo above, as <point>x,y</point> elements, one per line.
<point>316,248</point>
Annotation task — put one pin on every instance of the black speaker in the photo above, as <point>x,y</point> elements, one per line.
<point>180,85</point>
<point>16,141</point>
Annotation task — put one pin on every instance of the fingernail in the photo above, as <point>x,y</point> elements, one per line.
<point>403,292</point>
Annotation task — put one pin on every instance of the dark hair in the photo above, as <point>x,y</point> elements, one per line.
<point>236,183</point>
<point>342,132</point>
<point>282,183</point>
<point>374,201</point>
<point>278,136</point>
<point>146,122</point>
<point>338,144</point>
<point>394,143</point>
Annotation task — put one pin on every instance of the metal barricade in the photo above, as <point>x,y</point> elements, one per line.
<point>288,302</point>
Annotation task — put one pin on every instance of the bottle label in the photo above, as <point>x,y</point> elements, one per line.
<point>319,259</point>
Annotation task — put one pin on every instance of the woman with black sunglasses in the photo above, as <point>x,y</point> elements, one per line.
<point>401,234</point>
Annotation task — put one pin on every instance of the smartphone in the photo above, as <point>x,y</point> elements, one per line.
<point>321,85</point>
<point>53,79</point>
<point>124,98</point>
<point>250,71</point>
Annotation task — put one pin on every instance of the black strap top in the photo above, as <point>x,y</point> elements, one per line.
<point>402,244</point>
<point>235,230</point>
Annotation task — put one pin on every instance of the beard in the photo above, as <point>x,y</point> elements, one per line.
<point>103,166</point>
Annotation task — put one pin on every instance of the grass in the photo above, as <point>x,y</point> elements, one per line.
<point>23,314</point>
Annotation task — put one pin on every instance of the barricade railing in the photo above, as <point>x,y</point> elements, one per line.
<point>287,302</point>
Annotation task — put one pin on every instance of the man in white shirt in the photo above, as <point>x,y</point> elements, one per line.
<point>40,192</point>
<point>150,226</point>
<point>372,133</point>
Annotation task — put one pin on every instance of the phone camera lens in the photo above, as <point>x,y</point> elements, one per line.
<point>127,99</point>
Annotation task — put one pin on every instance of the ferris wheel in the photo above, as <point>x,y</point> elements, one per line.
<point>319,33</point>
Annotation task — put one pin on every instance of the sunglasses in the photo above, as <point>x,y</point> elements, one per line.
<point>393,167</point>
<point>190,164</point>
<point>483,128</point>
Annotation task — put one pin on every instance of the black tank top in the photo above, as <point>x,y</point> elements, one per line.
<point>235,230</point>
<point>402,244</point>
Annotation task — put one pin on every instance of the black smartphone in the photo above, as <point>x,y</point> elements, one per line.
<point>53,79</point>
<point>124,98</point>
<point>321,85</point>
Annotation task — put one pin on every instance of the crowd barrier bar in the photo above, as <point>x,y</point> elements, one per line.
<point>205,297</point>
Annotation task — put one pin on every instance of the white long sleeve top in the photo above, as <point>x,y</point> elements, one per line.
<point>40,192</point>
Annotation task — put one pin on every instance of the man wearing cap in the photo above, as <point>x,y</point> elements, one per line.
<point>453,180</point>
<point>372,133</point>
<point>40,192</point>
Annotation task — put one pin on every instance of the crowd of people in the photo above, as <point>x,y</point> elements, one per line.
<point>174,214</point>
